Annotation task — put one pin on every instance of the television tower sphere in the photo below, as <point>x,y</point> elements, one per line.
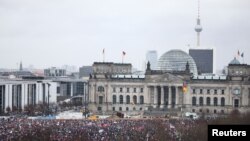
<point>198,28</point>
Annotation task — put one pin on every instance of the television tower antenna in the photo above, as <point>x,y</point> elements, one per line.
<point>198,27</point>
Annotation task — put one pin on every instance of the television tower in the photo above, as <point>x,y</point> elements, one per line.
<point>198,27</point>
<point>21,66</point>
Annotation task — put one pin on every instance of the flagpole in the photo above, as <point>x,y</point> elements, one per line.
<point>103,55</point>
<point>242,55</point>
<point>238,55</point>
<point>123,54</point>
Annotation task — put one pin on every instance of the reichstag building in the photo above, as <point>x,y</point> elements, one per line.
<point>173,86</point>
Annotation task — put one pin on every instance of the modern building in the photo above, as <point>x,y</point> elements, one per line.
<point>85,71</point>
<point>54,72</point>
<point>170,91</point>
<point>67,88</point>
<point>204,59</point>
<point>152,57</point>
<point>176,60</point>
<point>23,92</point>
<point>21,66</point>
<point>69,69</point>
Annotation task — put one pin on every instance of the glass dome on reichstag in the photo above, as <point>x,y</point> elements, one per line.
<point>176,60</point>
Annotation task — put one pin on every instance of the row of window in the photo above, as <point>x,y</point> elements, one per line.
<point>127,90</point>
<point>236,72</point>
<point>208,101</point>
<point>114,70</point>
<point>201,91</point>
<point>127,109</point>
<point>121,90</point>
<point>121,101</point>
<point>120,108</point>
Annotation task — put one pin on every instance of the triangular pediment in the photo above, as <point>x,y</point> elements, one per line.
<point>166,77</point>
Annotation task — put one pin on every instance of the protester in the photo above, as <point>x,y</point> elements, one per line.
<point>89,130</point>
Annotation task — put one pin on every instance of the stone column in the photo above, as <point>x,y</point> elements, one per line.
<point>148,100</point>
<point>218,101</point>
<point>204,101</point>
<point>169,97</point>
<point>106,97</point>
<point>71,89</point>
<point>177,96</point>
<point>230,99</point>
<point>93,93</point>
<point>248,97</point>
<point>155,96</point>
<point>23,96</point>
<point>138,99</point>
<point>198,100</point>
<point>10,96</point>
<point>162,97</point>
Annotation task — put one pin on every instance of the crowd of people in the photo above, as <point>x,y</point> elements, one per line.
<point>94,130</point>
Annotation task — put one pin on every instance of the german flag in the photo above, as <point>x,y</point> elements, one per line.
<point>184,87</point>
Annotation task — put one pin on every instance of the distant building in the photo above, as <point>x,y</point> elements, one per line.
<point>68,88</point>
<point>152,57</point>
<point>85,71</point>
<point>204,59</point>
<point>54,72</point>
<point>38,72</point>
<point>16,73</point>
<point>69,69</point>
<point>21,66</point>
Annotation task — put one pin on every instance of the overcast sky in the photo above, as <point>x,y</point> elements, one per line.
<point>46,33</point>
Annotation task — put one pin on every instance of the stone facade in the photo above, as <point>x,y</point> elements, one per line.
<point>162,90</point>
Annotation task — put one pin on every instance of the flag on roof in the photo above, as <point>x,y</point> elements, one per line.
<point>184,87</point>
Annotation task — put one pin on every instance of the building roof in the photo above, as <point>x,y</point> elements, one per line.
<point>17,73</point>
<point>234,61</point>
<point>110,63</point>
<point>67,79</point>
